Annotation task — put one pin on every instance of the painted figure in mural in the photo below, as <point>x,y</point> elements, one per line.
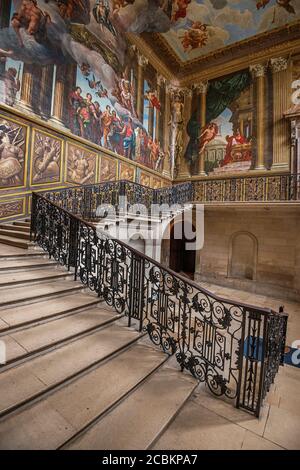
<point>108,170</point>
<point>11,80</point>
<point>154,102</point>
<point>115,139</point>
<point>11,155</point>
<point>30,17</point>
<point>97,124</point>
<point>126,95</point>
<point>196,37</point>
<point>209,133</point>
<point>177,123</point>
<point>129,138</point>
<point>101,12</point>
<point>237,149</point>
<point>75,100</point>
<point>46,159</point>
<point>106,123</point>
<point>79,171</point>
<point>73,10</point>
<point>179,9</point>
<point>84,116</point>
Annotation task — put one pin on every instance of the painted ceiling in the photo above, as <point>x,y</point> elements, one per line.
<point>200,27</point>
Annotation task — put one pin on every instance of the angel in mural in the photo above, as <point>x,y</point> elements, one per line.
<point>124,93</point>
<point>209,133</point>
<point>154,102</point>
<point>30,17</point>
<point>179,9</point>
<point>195,37</point>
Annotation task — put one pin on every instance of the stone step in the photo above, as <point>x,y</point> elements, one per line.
<point>30,262</point>
<point>63,413</point>
<point>21,223</point>
<point>139,420</point>
<point>13,296</point>
<point>56,367</point>
<point>43,310</point>
<point>14,234</point>
<point>32,276</point>
<point>13,241</point>
<point>15,228</point>
<point>30,341</point>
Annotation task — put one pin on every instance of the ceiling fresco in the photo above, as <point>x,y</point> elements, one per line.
<point>200,27</point>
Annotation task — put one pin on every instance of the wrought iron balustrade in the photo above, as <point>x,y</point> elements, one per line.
<point>265,188</point>
<point>234,348</point>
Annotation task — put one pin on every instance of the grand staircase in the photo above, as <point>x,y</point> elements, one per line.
<point>76,376</point>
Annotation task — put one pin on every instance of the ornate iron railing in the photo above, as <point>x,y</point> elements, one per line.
<point>234,348</point>
<point>85,200</point>
<point>267,188</point>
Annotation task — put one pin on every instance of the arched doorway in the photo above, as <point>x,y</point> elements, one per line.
<point>243,256</point>
<point>182,258</point>
<point>138,243</point>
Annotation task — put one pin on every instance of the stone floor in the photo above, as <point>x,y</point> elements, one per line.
<point>216,424</point>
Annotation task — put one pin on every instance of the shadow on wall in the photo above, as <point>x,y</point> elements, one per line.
<point>242,262</point>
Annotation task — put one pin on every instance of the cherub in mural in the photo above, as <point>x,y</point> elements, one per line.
<point>154,102</point>
<point>196,37</point>
<point>78,168</point>
<point>12,84</point>
<point>209,133</point>
<point>12,142</point>
<point>30,17</point>
<point>101,12</point>
<point>179,9</point>
<point>46,159</point>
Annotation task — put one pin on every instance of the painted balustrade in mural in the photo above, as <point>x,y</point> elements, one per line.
<point>235,349</point>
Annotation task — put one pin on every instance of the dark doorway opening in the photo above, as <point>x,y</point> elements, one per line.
<point>182,258</point>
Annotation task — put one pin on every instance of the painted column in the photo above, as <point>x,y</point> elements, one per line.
<point>59,95</point>
<point>151,121</point>
<point>259,73</point>
<point>46,91</point>
<point>4,23</point>
<point>70,84</point>
<point>142,62</point>
<point>281,74</point>
<point>166,132</point>
<point>184,167</point>
<point>160,83</point>
<point>201,88</point>
<point>28,91</point>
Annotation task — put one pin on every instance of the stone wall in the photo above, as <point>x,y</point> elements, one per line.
<point>276,264</point>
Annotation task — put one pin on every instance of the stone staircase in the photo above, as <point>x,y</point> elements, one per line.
<point>76,376</point>
<point>16,234</point>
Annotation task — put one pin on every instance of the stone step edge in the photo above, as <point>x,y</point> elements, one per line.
<point>42,320</point>
<point>43,280</point>
<point>38,396</point>
<point>41,351</point>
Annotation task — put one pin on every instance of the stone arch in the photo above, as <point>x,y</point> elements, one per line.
<point>243,249</point>
<point>138,242</point>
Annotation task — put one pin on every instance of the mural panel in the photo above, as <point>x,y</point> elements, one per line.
<point>80,165</point>
<point>11,208</point>
<point>108,169</point>
<point>156,183</point>
<point>127,172</point>
<point>46,160</point>
<point>69,63</point>
<point>13,145</point>
<point>145,179</point>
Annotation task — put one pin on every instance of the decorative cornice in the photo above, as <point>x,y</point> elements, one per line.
<point>279,41</point>
<point>279,64</point>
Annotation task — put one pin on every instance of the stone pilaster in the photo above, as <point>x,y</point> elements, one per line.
<point>281,75</point>
<point>166,133</point>
<point>142,62</point>
<point>259,74</point>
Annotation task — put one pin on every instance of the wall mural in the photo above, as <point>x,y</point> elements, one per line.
<point>225,142</point>
<point>13,142</point>
<point>81,165</point>
<point>46,158</point>
<point>199,27</point>
<point>108,169</point>
<point>127,172</point>
<point>69,63</point>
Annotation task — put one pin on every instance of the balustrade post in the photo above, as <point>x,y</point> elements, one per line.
<point>136,289</point>
<point>73,244</point>
<point>33,216</point>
